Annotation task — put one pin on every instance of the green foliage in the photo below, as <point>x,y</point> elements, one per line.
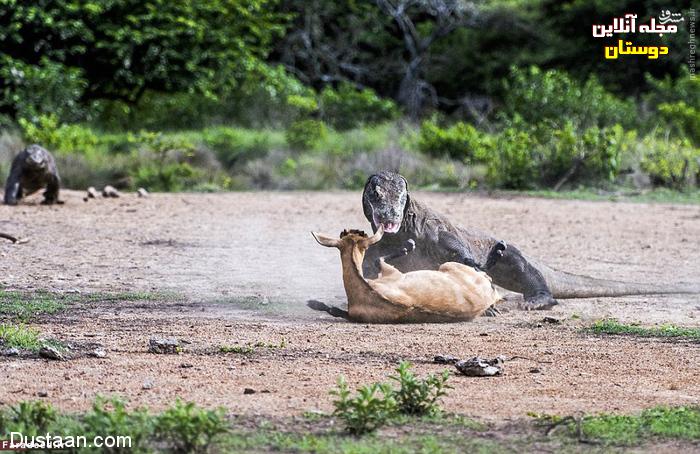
<point>19,336</point>
<point>670,162</point>
<point>367,410</point>
<point>237,349</point>
<point>305,134</point>
<point>110,417</point>
<point>31,90</point>
<point>24,307</point>
<point>59,137</point>
<point>514,165</point>
<point>347,107</point>
<point>417,396</point>
<point>535,95</point>
<point>665,422</point>
<point>685,118</point>
<point>29,418</point>
<point>460,141</point>
<point>166,168</point>
<point>671,331</point>
<point>234,146</point>
<point>189,429</point>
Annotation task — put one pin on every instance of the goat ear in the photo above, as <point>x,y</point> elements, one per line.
<point>325,240</point>
<point>376,237</point>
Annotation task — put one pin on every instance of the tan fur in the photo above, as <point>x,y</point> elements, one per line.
<point>454,292</point>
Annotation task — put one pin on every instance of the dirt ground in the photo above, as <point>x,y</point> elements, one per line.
<point>244,264</point>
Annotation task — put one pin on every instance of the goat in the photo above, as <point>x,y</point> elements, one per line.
<point>455,292</point>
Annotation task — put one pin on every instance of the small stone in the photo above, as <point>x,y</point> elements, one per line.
<point>551,320</point>
<point>480,367</point>
<point>445,359</point>
<point>92,193</point>
<point>98,353</point>
<point>163,346</point>
<point>535,370</point>
<point>50,352</point>
<point>248,391</point>
<point>12,351</point>
<point>483,334</point>
<point>142,192</point>
<point>42,394</point>
<point>186,366</point>
<point>110,191</point>
<point>148,384</point>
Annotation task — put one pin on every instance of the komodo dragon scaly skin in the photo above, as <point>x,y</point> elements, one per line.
<point>386,201</point>
<point>33,169</point>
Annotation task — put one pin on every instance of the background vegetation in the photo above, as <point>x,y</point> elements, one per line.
<point>288,94</point>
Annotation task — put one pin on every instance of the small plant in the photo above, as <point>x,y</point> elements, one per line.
<point>30,418</point>
<point>418,397</point>
<point>366,411</point>
<point>615,327</point>
<point>190,429</point>
<point>19,336</point>
<point>110,417</point>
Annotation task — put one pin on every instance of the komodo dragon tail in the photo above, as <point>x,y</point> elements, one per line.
<point>566,285</point>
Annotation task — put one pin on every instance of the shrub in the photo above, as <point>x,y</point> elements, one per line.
<point>29,418</point>
<point>346,107</point>
<point>305,134</point>
<point>460,141</point>
<point>367,410</point>
<point>684,118</point>
<point>514,164</point>
<point>670,162</point>
<point>235,146</point>
<point>110,417</point>
<point>536,95</point>
<point>59,137</point>
<point>189,429</point>
<point>417,397</point>
<point>19,336</point>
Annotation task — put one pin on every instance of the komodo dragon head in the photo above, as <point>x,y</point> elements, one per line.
<point>384,200</point>
<point>36,158</point>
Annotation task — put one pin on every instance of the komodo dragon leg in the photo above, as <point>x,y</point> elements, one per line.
<point>456,246</point>
<point>408,247</point>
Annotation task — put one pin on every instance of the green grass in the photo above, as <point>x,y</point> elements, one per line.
<point>680,423</point>
<point>237,349</point>
<point>664,331</point>
<point>25,306</point>
<point>19,336</point>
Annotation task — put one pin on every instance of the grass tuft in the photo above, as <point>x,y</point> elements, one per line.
<point>664,331</point>
<point>19,336</point>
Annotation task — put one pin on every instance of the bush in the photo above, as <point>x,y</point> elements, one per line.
<point>59,137</point>
<point>29,418</point>
<point>367,410</point>
<point>670,162</point>
<point>514,164</point>
<point>110,417</point>
<point>305,134</point>
<point>418,397</point>
<point>537,95</point>
<point>235,146</point>
<point>683,118</point>
<point>347,107</point>
<point>29,91</point>
<point>460,141</point>
<point>189,429</point>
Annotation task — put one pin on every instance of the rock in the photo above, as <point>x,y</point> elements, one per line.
<point>163,346</point>
<point>535,370</point>
<point>50,352</point>
<point>445,359</point>
<point>186,366</point>
<point>92,193</point>
<point>248,391</point>
<point>148,384</point>
<point>42,394</point>
<point>110,191</point>
<point>142,192</point>
<point>12,351</point>
<point>480,367</point>
<point>551,320</point>
<point>98,353</point>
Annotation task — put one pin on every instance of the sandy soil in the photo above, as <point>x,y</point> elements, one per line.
<point>245,264</point>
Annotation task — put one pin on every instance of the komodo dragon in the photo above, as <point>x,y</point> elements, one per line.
<point>33,169</point>
<point>386,201</point>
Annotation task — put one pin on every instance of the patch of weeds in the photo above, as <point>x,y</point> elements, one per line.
<point>110,417</point>
<point>237,349</point>
<point>189,429</point>
<point>19,336</point>
<point>29,418</point>
<point>370,408</point>
<point>415,396</point>
<point>105,297</point>
<point>666,331</point>
<point>25,306</point>
<point>682,423</point>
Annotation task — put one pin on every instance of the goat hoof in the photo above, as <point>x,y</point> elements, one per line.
<point>492,311</point>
